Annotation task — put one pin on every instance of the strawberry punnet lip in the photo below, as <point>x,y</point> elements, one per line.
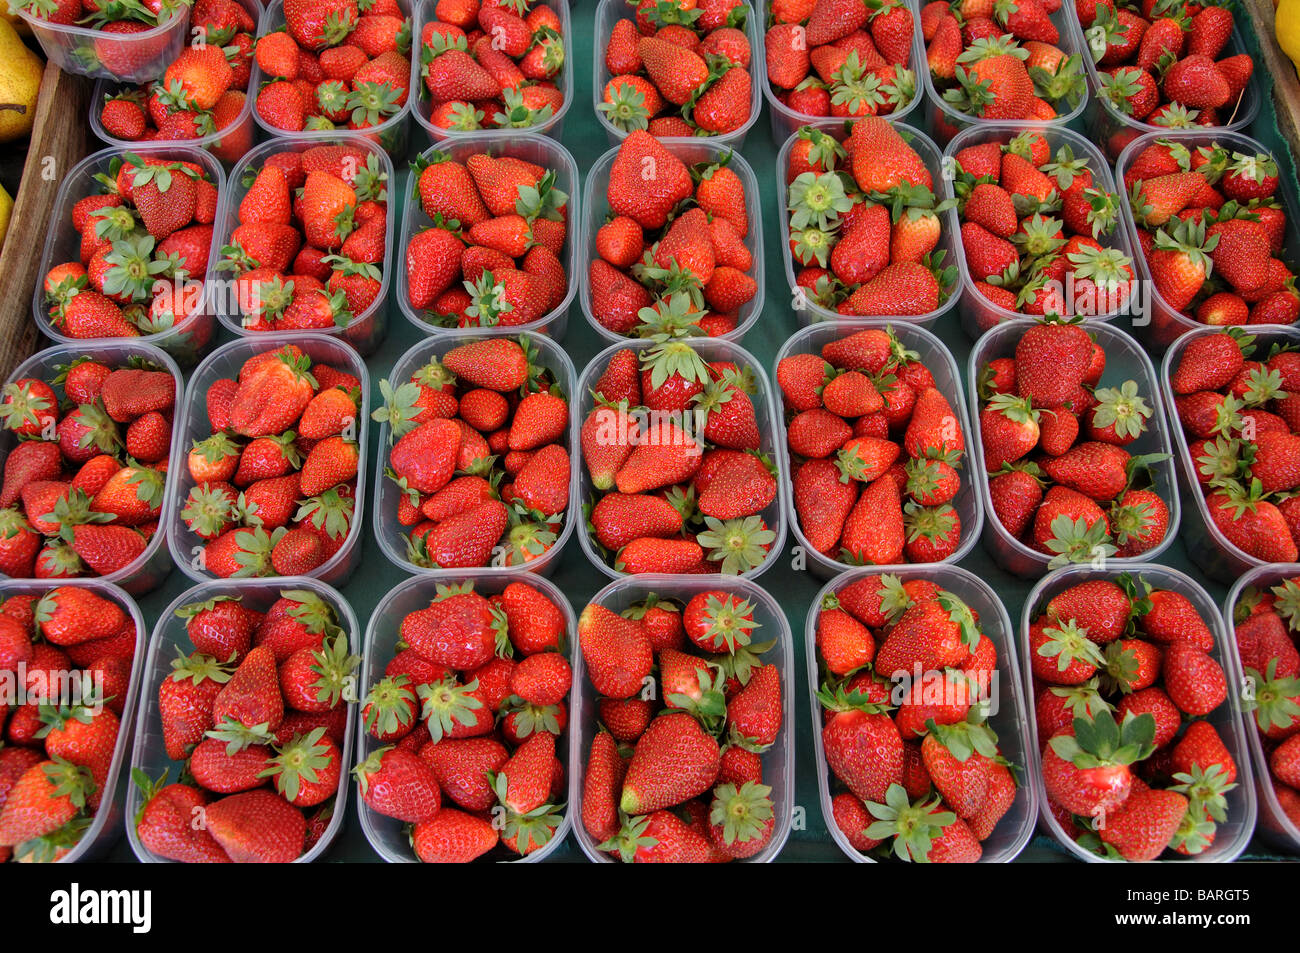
<point>249,691</point>
<point>918,715</point>
<point>467,692</point>
<point>1142,753</point>
<point>710,775</point>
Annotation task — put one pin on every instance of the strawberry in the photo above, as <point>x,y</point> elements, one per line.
<point>164,825</point>
<point>257,826</point>
<point>615,650</point>
<point>1088,773</point>
<point>674,761</point>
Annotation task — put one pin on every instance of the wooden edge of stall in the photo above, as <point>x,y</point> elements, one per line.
<point>59,140</point>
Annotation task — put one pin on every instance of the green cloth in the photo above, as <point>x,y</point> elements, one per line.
<point>585,139</point>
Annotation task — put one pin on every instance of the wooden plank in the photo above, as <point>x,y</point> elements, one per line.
<point>1276,65</point>
<point>59,140</point>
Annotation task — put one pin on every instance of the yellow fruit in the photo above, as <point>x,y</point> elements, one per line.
<point>6,207</point>
<point>14,20</point>
<point>1287,25</point>
<point>20,82</point>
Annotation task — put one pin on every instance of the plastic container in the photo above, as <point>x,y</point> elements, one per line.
<point>1125,360</point>
<point>934,355</point>
<point>808,310</point>
<point>1008,717</point>
<point>944,121</point>
<point>106,827</point>
<point>391,134</point>
<point>366,330</point>
<point>387,835</point>
<point>786,121</point>
<point>1165,322</point>
<point>226,144</point>
<point>980,313</point>
<point>190,338</point>
<point>537,149</point>
<point>609,12</point>
<point>1206,544</point>
<point>225,361</point>
<point>711,349</point>
<point>128,57</point>
<point>1273,824</point>
<point>595,205</point>
<point>149,754</point>
<point>392,536</point>
<point>148,570</point>
<point>1233,835</point>
<point>1113,131</point>
<point>422,105</point>
<point>778,760</point>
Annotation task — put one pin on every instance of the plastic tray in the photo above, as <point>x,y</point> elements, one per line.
<point>537,149</point>
<point>106,827</point>
<point>391,134</point>
<point>801,303</point>
<point>1013,832</point>
<point>1273,824</point>
<point>1209,548</point>
<point>778,760</point>
<point>711,349</point>
<point>595,206</point>
<point>243,128</point>
<point>1232,836</point>
<point>1113,131</point>
<point>391,535</point>
<point>1166,323</point>
<point>152,566</point>
<point>944,121</point>
<point>143,56</point>
<point>609,12</point>
<point>786,122</point>
<point>422,107</point>
<point>934,355</point>
<point>1125,360</point>
<point>149,755</point>
<point>387,835</point>
<point>190,338</point>
<point>366,330</point>
<point>980,313</point>
<point>225,361</point>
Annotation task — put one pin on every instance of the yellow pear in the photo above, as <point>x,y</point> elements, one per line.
<point>14,20</point>
<point>6,209</point>
<point>20,82</point>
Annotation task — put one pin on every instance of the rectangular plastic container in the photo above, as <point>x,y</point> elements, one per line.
<point>549,154</point>
<point>225,361</point>
<point>1166,323</point>
<point>1218,557</point>
<point>387,835</point>
<point>106,827</point>
<point>190,338</point>
<point>802,304</point>
<point>391,134</point>
<point>152,566</point>
<point>786,122</point>
<point>935,356</point>
<point>391,535</point>
<point>1272,824</point>
<point>595,206</point>
<point>226,144</point>
<point>422,105</point>
<point>944,121</point>
<point>1125,360</point>
<point>980,313</point>
<point>1013,832</point>
<point>131,58</point>
<point>1113,131</point>
<point>778,760</point>
<point>609,12</point>
<point>711,349</point>
<point>366,330</point>
<point>1232,836</point>
<point>149,754</point>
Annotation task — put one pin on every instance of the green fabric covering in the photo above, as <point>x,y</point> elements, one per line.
<point>585,139</point>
